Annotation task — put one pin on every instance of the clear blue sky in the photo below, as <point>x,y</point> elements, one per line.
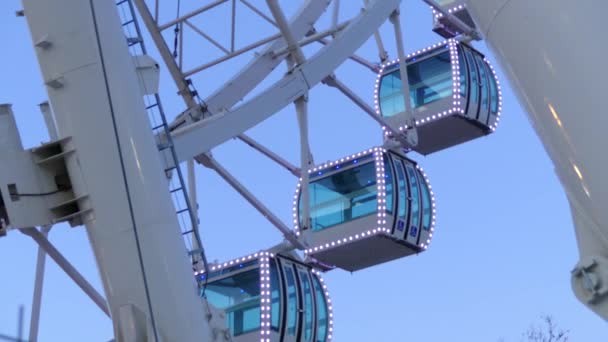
<point>501,256</point>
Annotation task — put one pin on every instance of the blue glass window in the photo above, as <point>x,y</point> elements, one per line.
<point>275,297</point>
<point>427,210</point>
<point>493,90</point>
<point>415,209</point>
<point>292,301</point>
<point>474,77</point>
<point>388,178</point>
<point>321,311</point>
<point>464,80</point>
<point>308,308</point>
<point>403,193</point>
<point>343,196</point>
<point>430,80</point>
<point>239,297</point>
<point>485,87</point>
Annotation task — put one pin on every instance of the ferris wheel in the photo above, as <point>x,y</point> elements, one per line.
<point>355,212</point>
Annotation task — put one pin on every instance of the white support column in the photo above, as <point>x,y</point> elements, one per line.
<point>38,283</point>
<point>116,170</point>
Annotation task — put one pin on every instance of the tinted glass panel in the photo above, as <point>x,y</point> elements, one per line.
<point>275,293</point>
<point>403,195</point>
<point>343,196</point>
<point>239,297</point>
<point>426,203</point>
<point>493,90</point>
<point>485,87</point>
<point>430,79</point>
<point>388,178</point>
<point>415,209</point>
<point>308,308</point>
<point>292,301</point>
<point>473,77</point>
<point>321,311</point>
<point>464,80</point>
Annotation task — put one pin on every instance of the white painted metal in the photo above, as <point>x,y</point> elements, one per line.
<point>131,226</point>
<point>208,161</point>
<point>49,120</point>
<point>271,155</point>
<point>38,283</point>
<point>306,162</point>
<point>550,52</point>
<point>255,71</point>
<point>67,267</point>
<point>411,134</point>
<point>208,133</point>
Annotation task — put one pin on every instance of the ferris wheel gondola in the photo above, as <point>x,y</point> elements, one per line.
<point>267,297</point>
<point>454,94</point>
<point>366,209</point>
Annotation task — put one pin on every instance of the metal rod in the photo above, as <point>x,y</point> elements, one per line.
<point>305,157</point>
<point>211,163</point>
<point>411,132</point>
<point>332,81</point>
<point>232,55</point>
<point>336,14</point>
<point>156,10</point>
<point>382,54</point>
<point>312,38</point>
<point>192,198</point>
<point>38,284</point>
<point>233,26</point>
<point>357,59</point>
<point>166,55</point>
<point>293,47</point>
<point>190,15</point>
<point>258,12</point>
<point>181,46</point>
<point>460,25</point>
<point>207,37</point>
<point>268,153</point>
<point>67,267</point>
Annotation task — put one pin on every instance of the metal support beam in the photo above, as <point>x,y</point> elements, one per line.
<point>67,267</point>
<point>38,283</point>
<point>292,45</point>
<point>208,161</point>
<point>165,53</point>
<point>199,137</point>
<point>411,132</point>
<point>306,160</point>
<point>268,153</point>
<point>382,54</point>
<point>188,15</point>
<point>332,81</point>
<point>318,36</point>
<point>357,59</point>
